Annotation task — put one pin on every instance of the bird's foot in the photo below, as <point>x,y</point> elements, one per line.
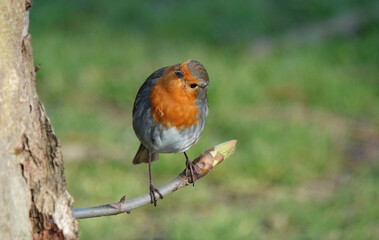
<point>191,172</point>
<point>153,199</point>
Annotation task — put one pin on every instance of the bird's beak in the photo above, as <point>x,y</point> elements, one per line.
<point>179,73</point>
<point>204,85</point>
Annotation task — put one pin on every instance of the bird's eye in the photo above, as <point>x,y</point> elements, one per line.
<point>193,85</point>
<point>179,73</point>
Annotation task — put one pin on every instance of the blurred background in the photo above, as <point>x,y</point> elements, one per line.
<point>296,82</point>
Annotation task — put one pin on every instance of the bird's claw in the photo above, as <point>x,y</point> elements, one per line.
<point>153,199</point>
<point>191,172</point>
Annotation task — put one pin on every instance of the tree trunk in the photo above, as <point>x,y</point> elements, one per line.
<point>34,203</point>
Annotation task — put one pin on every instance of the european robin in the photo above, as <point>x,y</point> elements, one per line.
<point>169,114</point>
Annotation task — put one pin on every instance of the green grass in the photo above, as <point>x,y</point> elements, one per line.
<point>306,118</point>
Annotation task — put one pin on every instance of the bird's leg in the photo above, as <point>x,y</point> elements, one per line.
<point>190,170</point>
<point>153,190</point>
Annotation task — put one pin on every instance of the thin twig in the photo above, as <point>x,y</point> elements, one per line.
<point>203,164</point>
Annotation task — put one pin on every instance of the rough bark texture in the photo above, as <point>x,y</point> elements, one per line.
<point>34,203</point>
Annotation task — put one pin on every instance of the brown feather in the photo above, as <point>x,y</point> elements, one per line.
<point>142,155</point>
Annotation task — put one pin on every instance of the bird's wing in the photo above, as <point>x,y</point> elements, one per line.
<point>146,87</point>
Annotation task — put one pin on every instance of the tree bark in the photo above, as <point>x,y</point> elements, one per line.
<point>34,203</point>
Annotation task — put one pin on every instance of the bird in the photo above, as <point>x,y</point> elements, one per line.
<point>169,114</point>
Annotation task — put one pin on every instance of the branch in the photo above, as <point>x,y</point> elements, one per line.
<point>203,164</point>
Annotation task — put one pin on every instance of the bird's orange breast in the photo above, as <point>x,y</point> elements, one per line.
<point>171,104</point>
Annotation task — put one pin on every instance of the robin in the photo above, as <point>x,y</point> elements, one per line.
<point>169,114</point>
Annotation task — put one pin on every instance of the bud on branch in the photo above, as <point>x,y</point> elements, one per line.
<point>203,164</point>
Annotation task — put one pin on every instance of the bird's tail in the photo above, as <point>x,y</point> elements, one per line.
<point>142,155</point>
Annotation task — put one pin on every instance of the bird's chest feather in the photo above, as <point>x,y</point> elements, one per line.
<point>173,107</point>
